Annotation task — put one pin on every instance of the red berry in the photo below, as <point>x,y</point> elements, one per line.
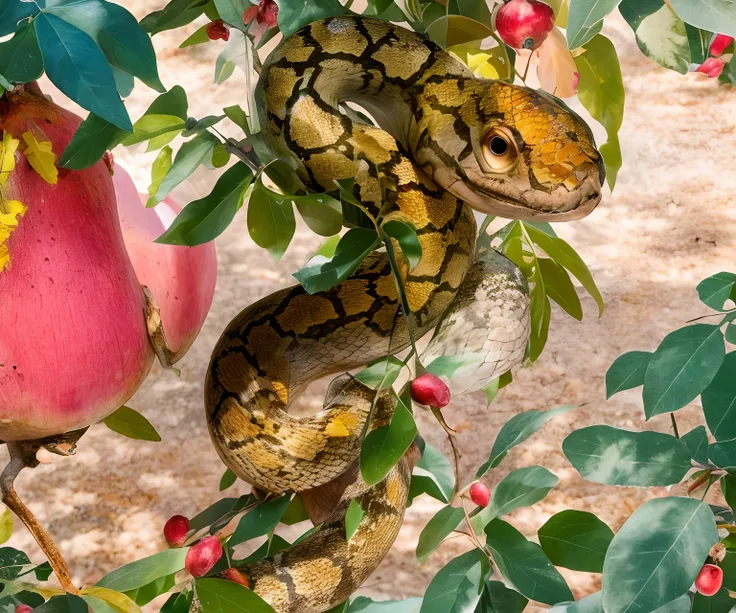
<point>218,30</point>
<point>524,24</point>
<point>203,556</point>
<point>23,608</point>
<point>713,67</point>
<point>430,390</point>
<point>233,574</point>
<point>175,530</point>
<point>709,580</point>
<point>480,494</point>
<point>719,44</point>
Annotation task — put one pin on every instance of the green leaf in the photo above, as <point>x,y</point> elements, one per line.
<point>220,596</point>
<point>293,14</point>
<point>125,44</point>
<point>515,431</point>
<point>380,373</point>
<point>458,586</point>
<point>132,424</point>
<point>190,155</point>
<point>173,102</point>
<point>696,442</point>
<point>295,512</point>
<point>559,287</point>
<point>75,64</point>
<point>601,92</point>
<point>160,167</point>
<point>13,12</point>
<point>715,290</point>
<point>437,529</point>
<point>231,11</point>
<point>175,14</point>
<point>181,602</point>
<point>321,273</point>
<point>92,139</point>
<point>322,213</point>
<point>365,605</point>
<point>731,334</point>
<point>719,401</point>
<point>20,57</point>
<point>227,480</point>
<point>721,602</point>
<point>576,540</point>
<point>723,455</point>
<point>383,447</point>
<point>353,517</point>
<point>272,546</point>
<point>497,598</point>
<point>583,15</point>
<point>220,156</point>
<point>144,571</point>
<point>657,554</point>
<point>711,15</point>
<point>124,82</point>
<point>271,222</point>
<point>205,219</point>
<point>97,605</point>
<point>114,600</point>
<point>604,454</point>
<point>525,565</point>
<point>237,115</point>
<point>408,240</point>
<point>12,562</point>
<point>215,512</point>
<point>660,34</point>
<point>522,487</point>
<point>203,124</point>
<point>6,526</point>
<point>683,365</point>
<point>260,520</point>
<point>200,36</point>
<point>152,125</point>
<point>627,372</point>
<point>433,475</point>
<point>562,253</point>
<point>145,594</point>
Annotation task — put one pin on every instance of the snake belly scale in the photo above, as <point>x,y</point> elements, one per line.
<point>446,142</point>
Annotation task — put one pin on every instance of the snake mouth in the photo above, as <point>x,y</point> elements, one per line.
<point>509,207</point>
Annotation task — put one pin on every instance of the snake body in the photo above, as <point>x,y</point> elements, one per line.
<point>447,141</point>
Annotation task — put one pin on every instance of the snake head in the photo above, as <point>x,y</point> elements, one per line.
<point>510,151</point>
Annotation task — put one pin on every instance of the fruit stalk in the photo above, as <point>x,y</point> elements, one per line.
<point>22,455</point>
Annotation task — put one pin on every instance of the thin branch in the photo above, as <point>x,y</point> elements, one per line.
<point>22,455</point>
<point>674,425</point>
<point>451,437</point>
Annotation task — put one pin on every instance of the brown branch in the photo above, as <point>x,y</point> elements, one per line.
<point>451,437</point>
<point>22,455</point>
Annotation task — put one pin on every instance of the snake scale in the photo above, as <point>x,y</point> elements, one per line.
<point>447,142</point>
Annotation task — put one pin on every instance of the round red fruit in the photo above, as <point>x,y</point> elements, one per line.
<point>709,580</point>
<point>430,390</point>
<point>713,67</point>
<point>524,24</point>
<point>233,574</point>
<point>218,30</point>
<point>203,556</point>
<point>23,608</point>
<point>175,531</point>
<point>480,494</point>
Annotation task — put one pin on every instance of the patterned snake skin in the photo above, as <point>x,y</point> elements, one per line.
<point>447,142</point>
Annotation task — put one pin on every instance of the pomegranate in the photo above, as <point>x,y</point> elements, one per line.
<point>524,24</point>
<point>181,279</point>
<point>709,580</point>
<point>73,339</point>
<point>203,556</point>
<point>430,390</point>
<point>175,530</point>
<point>480,494</point>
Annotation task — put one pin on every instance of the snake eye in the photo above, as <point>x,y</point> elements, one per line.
<point>499,150</point>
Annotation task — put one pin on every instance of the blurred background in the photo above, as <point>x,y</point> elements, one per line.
<point>669,224</point>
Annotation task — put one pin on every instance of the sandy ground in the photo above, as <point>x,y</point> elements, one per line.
<point>668,224</point>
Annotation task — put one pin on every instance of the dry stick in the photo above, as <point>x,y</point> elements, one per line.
<point>18,461</point>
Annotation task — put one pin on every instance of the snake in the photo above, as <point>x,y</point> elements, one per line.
<point>424,142</point>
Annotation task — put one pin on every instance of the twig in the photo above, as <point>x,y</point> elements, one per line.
<point>674,425</point>
<point>22,454</point>
<point>451,437</point>
<point>472,532</point>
